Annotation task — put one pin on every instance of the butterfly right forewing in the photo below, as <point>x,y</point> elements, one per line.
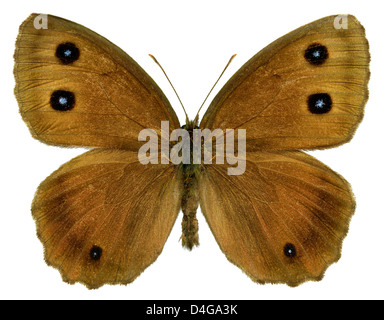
<point>275,96</point>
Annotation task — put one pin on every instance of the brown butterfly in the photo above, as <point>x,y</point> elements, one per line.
<point>104,217</point>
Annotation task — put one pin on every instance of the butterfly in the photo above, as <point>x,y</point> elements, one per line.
<point>104,217</point>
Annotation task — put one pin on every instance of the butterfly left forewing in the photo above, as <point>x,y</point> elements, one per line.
<point>103,217</point>
<point>283,220</point>
<point>76,88</point>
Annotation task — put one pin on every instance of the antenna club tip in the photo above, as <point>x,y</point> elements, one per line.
<point>152,56</point>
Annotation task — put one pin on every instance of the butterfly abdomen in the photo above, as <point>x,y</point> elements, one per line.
<point>189,205</point>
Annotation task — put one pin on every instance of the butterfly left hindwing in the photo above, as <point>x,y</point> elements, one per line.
<point>103,217</point>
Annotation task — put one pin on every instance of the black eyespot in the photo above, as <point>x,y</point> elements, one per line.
<point>316,54</point>
<point>67,52</point>
<point>290,250</point>
<point>95,253</point>
<point>62,100</point>
<point>319,103</point>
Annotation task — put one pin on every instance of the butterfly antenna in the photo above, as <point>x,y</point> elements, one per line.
<point>230,60</point>
<point>157,62</point>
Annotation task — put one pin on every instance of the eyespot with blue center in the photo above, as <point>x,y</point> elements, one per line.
<point>316,54</point>
<point>95,253</point>
<point>62,100</point>
<point>290,250</point>
<point>319,103</point>
<point>67,53</point>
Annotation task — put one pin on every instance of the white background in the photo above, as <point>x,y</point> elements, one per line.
<point>193,41</point>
